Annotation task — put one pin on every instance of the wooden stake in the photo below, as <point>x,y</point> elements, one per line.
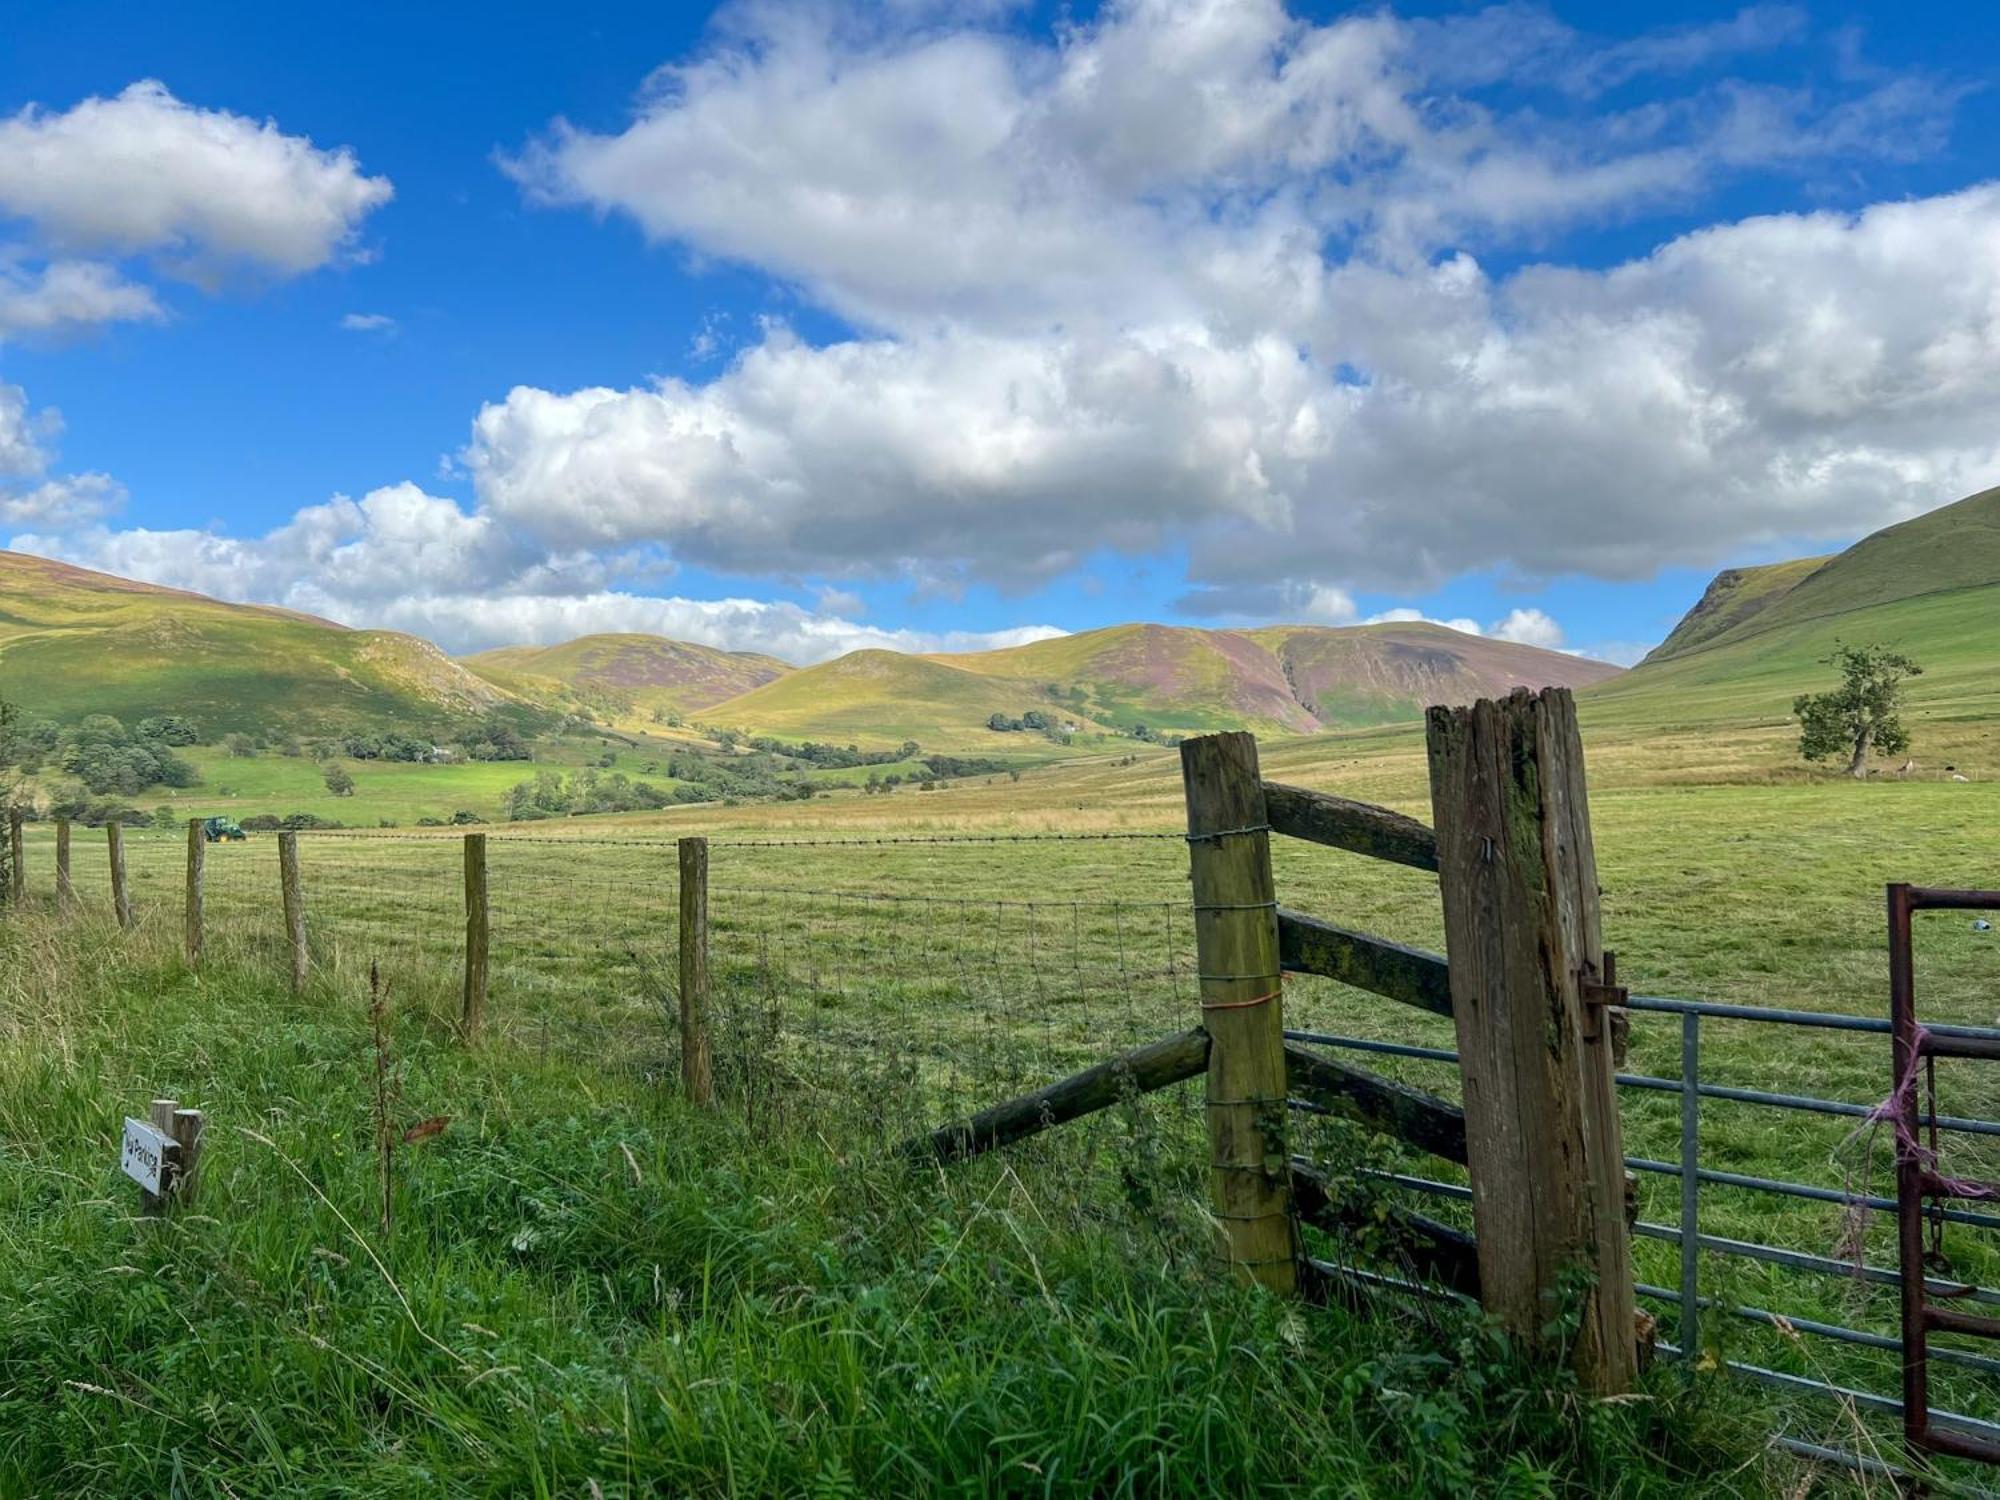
<point>17,860</point>
<point>121,896</point>
<point>292,890</point>
<point>1236,943</point>
<point>162,1117</point>
<point>697,1060</point>
<point>472,1015</point>
<point>196,861</point>
<point>187,1128</point>
<point>65,891</point>
<point>1518,876</point>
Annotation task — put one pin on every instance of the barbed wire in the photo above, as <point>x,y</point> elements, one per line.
<point>442,836</point>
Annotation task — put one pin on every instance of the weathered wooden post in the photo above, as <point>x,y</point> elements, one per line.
<point>17,860</point>
<point>1525,946</point>
<point>172,1171</point>
<point>1242,1004</point>
<point>472,1014</point>
<point>197,857</point>
<point>65,890</point>
<point>292,890</point>
<point>697,1057</point>
<point>121,896</point>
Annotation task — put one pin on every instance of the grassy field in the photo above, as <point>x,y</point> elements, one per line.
<point>868,989</point>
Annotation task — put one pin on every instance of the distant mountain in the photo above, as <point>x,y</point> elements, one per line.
<point>74,642</point>
<point>1283,679</point>
<point>646,670</point>
<point>1168,679</point>
<point>1930,587</point>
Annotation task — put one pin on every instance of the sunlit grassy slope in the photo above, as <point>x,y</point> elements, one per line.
<point>73,642</point>
<point>649,670</point>
<point>1928,587</point>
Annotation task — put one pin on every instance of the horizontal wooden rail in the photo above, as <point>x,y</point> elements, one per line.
<point>1306,945</point>
<point>1434,1251</point>
<point>1361,827</point>
<point>1153,1066</point>
<point>1425,1121</point>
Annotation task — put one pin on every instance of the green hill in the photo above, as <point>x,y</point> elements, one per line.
<point>74,642</point>
<point>1930,587</point>
<point>881,698</point>
<point>649,671</point>
<point>1284,679</point>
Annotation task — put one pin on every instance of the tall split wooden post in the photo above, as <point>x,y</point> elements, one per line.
<point>1242,1004</point>
<point>65,890</point>
<point>197,858</point>
<point>292,890</point>
<point>472,1014</point>
<point>121,895</point>
<point>17,860</point>
<point>697,1056</point>
<point>1524,942</point>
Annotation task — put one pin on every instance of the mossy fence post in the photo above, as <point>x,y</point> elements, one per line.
<point>291,889</point>
<point>17,861</point>
<point>197,857</point>
<point>1524,942</point>
<point>697,1056</point>
<point>121,893</point>
<point>478,928</point>
<point>1242,1006</point>
<point>65,888</point>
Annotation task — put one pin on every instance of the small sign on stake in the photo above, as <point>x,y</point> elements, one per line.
<point>161,1154</point>
<point>148,1156</point>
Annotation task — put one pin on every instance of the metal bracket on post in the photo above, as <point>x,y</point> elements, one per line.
<point>1604,998</point>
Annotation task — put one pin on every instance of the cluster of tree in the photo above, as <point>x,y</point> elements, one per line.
<point>551,794</point>
<point>460,819</point>
<point>98,751</point>
<point>290,822</point>
<point>835,757</point>
<point>963,765</point>
<point>1034,719</point>
<point>1151,736</point>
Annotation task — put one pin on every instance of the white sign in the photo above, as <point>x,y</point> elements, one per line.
<point>144,1158</point>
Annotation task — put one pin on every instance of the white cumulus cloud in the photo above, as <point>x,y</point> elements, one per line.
<point>204,189</point>
<point>1209,276</point>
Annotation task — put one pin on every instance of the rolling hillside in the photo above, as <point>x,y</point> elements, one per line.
<point>74,642</point>
<point>1283,679</point>
<point>1171,679</point>
<point>1930,587</point>
<point>648,670</point>
<point>881,698</point>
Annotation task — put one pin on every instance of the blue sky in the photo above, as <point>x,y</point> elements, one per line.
<point>911,324</point>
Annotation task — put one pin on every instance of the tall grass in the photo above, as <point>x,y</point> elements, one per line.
<point>591,1289</point>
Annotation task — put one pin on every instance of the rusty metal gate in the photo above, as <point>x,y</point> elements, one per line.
<point>1924,1185</point>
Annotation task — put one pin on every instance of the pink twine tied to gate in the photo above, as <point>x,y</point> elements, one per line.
<point>1899,1109</point>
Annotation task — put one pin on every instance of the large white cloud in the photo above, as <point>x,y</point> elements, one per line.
<point>401,559</point>
<point>1792,376</point>
<point>1202,273</point>
<point>203,188</point>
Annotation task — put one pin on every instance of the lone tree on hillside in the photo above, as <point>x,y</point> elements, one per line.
<point>1864,713</point>
<point>339,782</point>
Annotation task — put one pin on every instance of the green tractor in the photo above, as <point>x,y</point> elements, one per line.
<point>216,830</point>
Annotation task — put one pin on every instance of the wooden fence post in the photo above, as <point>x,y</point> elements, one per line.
<point>292,889</point>
<point>472,1014</point>
<point>121,896</point>
<point>1524,939</point>
<point>1242,1003</point>
<point>65,891</point>
<point>17,867</point>
<point>197,857</point>
<point>697,1058</point>
<point>162,1117</point>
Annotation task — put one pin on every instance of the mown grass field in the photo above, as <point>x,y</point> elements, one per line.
<point>868,989</point>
